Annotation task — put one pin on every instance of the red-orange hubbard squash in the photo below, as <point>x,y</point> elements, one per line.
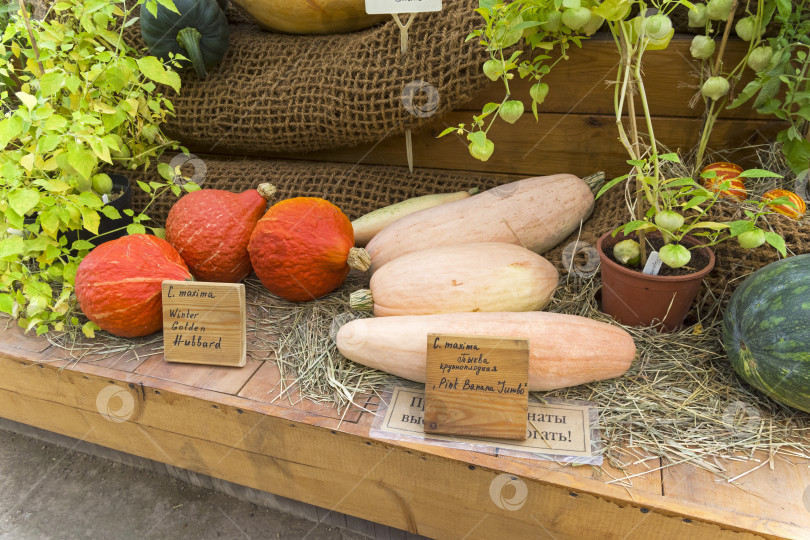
<point>302,249</point>
<point>118,284</point>
<point>211,228</point>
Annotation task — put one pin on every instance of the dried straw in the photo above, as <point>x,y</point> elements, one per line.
<point>680,400</point>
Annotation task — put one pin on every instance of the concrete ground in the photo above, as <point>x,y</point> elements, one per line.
<point>49,492</point>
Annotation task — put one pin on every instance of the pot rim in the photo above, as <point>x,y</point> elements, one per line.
<point>700,274</point>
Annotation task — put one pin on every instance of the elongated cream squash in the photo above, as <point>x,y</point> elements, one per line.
<point>487,276</point>
<point>368,225</point>
<point>537,213</point>
<point>564,350</point>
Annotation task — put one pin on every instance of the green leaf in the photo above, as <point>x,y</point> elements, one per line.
<point>7,303</point>
<point>82,245</point>
<point>23,200</point>
<point>49,221</point>
<point>51,83</point>
<point>55,186</point>
<point>736,228</point>
<point>709,225</point>
<point>153,68</point>
<point>797,154</point>
<point>55,123</point>
<point>610,184</point>
<point>447,131</point>
<point>490,108</point>
<point>27,99</point>
<point>670,157</point>
<point>49,142</point>
<point>478,138</point>
<point>112,121</point>
<point>613,10</point>
<point>10,128</point>
<point>144,186</point>
<point>110,212</point>
<point>90,220</point>
<point>633,226</point>
<point>769,90</point>
<point>695,201</point>
<point>89,199</point>
<point>136,228</point>
<point>89,329</point>
<point>758,173</point>
<point>784,7</point>
<point>776,241</point>
<point>13,245</point>
<point>84,161</point>
<point>680,182</point>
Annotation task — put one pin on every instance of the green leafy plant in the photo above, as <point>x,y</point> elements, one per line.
<point>673,206</point>
<point>782,84</point>
<point>81,99</point>
<point>551,27</point>
<point>717,81</point>
<point>680,206</point>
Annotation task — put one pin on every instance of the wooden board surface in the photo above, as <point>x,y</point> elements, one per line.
<point>477,386</point>
<point>281,448</point>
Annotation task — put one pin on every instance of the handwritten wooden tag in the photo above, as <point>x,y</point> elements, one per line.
<point>477,386</point>
<point>376,7</point>
<point>204,323</point>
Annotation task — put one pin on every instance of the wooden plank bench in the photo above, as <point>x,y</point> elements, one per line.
<point>226,423</point>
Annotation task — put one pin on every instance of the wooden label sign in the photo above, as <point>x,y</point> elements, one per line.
<point>477,386</point>
<point>204,323</point>
<point>377,7</point>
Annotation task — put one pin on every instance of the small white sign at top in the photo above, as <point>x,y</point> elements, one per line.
<point>377,7</point>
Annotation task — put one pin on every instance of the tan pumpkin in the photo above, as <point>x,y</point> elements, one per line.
<point>487,276</point>
<point>564,350</point>
<point>537,213</point>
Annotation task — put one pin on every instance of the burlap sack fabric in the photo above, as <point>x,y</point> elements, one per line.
<point>355,189</point>
<point>360,189</point>
<point>291,93</point>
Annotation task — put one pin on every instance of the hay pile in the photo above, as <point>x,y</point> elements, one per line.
<point>680,400</point>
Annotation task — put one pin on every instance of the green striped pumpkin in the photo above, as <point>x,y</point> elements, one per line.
<point>766,331</point>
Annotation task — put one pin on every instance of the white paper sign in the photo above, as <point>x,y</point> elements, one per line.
<point>377,7</point>
<point>654,264</point>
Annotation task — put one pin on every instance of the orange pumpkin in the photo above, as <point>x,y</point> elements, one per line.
<point>118,284</point>
<point>792,212</point>
<point>211,228</point>
<point>303,247</point>
<point>726,171</point>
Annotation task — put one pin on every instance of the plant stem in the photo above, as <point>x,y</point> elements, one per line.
<point>708,123</point>
<point>719,63</point>
<point>189,39</point>
<point>31,36</point>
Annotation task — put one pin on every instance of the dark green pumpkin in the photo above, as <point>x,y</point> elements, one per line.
<point>766,331</point>
<point>199,32</point>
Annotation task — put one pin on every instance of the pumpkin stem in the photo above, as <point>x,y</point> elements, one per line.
<point>189,39</point>
<point>266,190</point>
<point>359,259</point>
<point>361,300</point>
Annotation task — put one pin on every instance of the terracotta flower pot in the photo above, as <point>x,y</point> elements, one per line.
<point>636,299</point>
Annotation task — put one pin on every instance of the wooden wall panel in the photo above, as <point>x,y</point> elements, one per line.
<point>577,143</point>
<point>583,83</point>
